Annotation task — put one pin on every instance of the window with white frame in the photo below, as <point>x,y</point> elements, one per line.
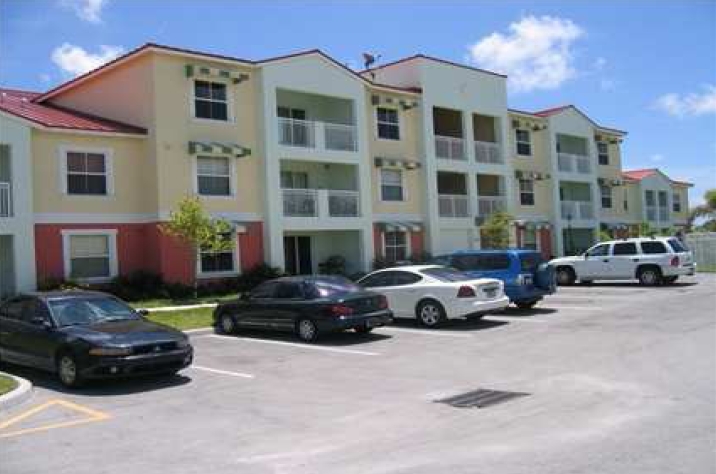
<point>213,176</point>
<point>527,192</point>
<point>388,123</point>
<point>676,202</point>
<point>606,193</point>
<point>219,262</point>
<point>391,185</point>
<point>211,100</point>
<point>523,140</point>
<point>395,246</point>
<point>603,153</point>
<point>87,173</point>
<point>529,238</point>
<point>90,256</point>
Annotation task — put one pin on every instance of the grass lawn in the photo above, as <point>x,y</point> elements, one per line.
<point>184,319</point>
<point>6,384</point>
<point>705,268</point>
<point>160,302</point>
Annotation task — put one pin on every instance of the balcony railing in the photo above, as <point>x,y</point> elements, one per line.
<point>320,203</point>
<point>453,205</point>
<point>488,152</point>
<point>569,163</point>
<point>577,210</point>
<point>5,200</point>
<point>450,148</point>
<point>487,205</point>
<point>320,135</point>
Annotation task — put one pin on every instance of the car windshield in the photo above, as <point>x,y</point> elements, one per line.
<point>446,274</point>
<point>331,286</point>
<point>677,245</point>
<point>90,310</point>
<point>530,261</point>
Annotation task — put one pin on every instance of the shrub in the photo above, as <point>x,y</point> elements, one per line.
<point>54,284</point>
<point>177,291</point>
<point>253,277</point>
<point>138,285</point>
<point>334,265</point>
<point>420,258</point>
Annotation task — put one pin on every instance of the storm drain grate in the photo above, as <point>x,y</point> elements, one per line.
<point>480,398</point>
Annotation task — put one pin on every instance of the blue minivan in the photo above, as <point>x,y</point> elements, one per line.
<point>527,275</point>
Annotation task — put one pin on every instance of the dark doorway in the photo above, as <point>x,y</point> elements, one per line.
<point>297,254</point>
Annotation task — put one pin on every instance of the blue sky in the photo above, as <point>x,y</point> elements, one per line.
<point>645,67</point>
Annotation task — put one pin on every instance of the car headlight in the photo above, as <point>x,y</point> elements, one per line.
<point>110,351</point>
<point>183,343</point>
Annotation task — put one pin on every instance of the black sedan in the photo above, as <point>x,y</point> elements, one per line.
<point>306,305</point>
<point>83,334</point>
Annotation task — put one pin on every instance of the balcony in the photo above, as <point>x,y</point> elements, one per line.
<point>450,148</point>
<point>320,203</point>
<point>577,210</point>
<point>569,163</point>
<point>487,205</point>
<point>488,152</point>
<point>317,135</point>
<point>5,200</point>
<point>453,205</point>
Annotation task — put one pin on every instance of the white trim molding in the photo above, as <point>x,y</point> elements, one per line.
<point>108,153</point>
<point>111,235</point>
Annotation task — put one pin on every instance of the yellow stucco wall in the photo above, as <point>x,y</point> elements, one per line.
<point>538,162</point>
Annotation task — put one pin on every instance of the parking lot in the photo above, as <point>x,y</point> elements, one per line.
<point>619,379</point>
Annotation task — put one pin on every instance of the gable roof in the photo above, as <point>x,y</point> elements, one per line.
<point>431,58</point>
<point>21,104</point>
<point>558,110</point>
<point>638,175</point>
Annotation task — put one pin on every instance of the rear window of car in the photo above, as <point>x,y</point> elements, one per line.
<point>482,262</point>
<point>331,286</point>
<point>677,245</point>
<point>627,248</point>
<point>530,261</point>
<point>653,247</point>
<point>446,274</point>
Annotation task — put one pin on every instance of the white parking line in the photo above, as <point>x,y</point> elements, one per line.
<point>293,344</point>
<point>425,332</point>
<point>222,372</point>
<point>510,319</point>
<point>551,305</point>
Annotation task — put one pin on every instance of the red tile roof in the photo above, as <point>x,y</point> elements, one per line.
<point>638,175</point>
<point>20,104</point>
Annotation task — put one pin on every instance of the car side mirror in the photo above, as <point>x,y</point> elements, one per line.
<point>143,312</point>
<point>40,321</point>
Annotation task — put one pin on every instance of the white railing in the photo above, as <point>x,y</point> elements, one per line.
<point>569,163</point>
<point>5,200</point>
<point>453,205</point>
<point>321,135</point>
<point>450,148</point>
<point>320,203</point>
<point>487,205</point>
<point>487,152</point>
<point>577,210</point>
<point>343,203</point>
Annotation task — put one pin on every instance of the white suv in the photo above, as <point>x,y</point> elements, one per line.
<point>651,260</point>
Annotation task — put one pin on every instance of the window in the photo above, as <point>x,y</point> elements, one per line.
<point>210,101</point>
<point>90,255</point>
<point>653,247</point>
<point>663,198</point>
<point>625,248</point>
<point>391,185</point>
<point>649,198</point>
<point>264,290</point>
<point>446,274</point>
<point>376,280</point>
<point>626,200</point>
<point>530,262</point>
<point>529,238</point>
<point>676,202</point>
<point>395,246</point>
<point>527,192</point>
<point>86,173</point>
<point>484,262</point>
<point>388,124</point>
<point>598,251</point>
<point>677,245</point>
<point>294,180</point>
<point>213,176</point>
<point>289,291</point>
<point>218,262</point>
<point>524,142</point>
<point>603,153</point>
<point>606,193</point>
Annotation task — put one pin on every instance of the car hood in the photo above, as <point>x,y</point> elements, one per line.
<point>573,259</point>
<point>131,332</point>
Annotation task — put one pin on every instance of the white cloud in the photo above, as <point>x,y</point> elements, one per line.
<point>692,104</point>
<point>535,54</point>
<point>656,158</point>
<point>87,10</point>
<point>74,60</point>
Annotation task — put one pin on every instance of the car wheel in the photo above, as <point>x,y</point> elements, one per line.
<point>68,371</point>
<point>565,276</point>
<point>430,314</point>
<point>670,280</point>
<point>363,330</point>
<point>306,330</point>
<point>227,324</point>
<point>649,276</point>
<point>525,304</point>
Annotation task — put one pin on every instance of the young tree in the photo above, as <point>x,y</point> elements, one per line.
<point>495,232</point>
<point>190,224</point>
<point>706,212</point>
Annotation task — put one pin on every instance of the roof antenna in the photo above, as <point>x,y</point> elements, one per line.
<point>369,60</point>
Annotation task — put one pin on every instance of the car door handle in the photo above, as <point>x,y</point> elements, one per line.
<point>606,260</point>
<point>634,259</point>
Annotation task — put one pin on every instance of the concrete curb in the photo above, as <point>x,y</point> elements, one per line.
<point>20,394</point>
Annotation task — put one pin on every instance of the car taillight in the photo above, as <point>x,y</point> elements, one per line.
<point>466,292</point>
<point>675,261</point>
<point>382,302</point>
<point>341,310</point>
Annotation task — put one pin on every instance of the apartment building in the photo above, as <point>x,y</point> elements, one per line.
<point>306,158</point>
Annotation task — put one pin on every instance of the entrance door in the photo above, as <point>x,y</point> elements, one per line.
<point>297,255</point>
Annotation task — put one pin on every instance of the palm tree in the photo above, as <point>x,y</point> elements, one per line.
<point>706,211</point>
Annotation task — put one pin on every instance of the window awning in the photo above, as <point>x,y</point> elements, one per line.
<point>405,104</point>
<point>407,164</point>
<point>216,148</point>
<point>535,175</point>
<point>236,77</point>
<point>400,226</point>
<point>537,225</point>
